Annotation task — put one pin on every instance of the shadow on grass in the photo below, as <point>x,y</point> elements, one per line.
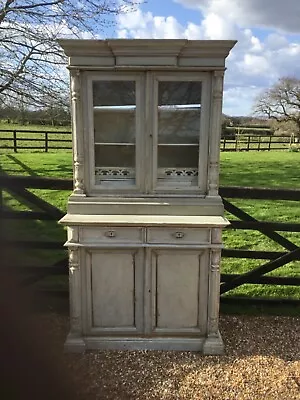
<point>39,164</point>
<point>22,165</point>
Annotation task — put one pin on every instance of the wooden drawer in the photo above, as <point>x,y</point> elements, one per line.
<point>178,235</point>
<point>110,234</point>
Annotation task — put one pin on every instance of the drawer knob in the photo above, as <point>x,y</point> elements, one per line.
<point>110,234</point>
<point>178,235</point>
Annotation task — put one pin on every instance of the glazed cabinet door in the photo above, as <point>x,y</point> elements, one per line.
<point>115,117</point>
<point>179,291</point>
<point>181,103</point>
<point>114,284</point>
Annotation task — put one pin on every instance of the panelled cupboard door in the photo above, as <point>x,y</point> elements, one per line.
<point>115,285</point>
<point>179,291</point>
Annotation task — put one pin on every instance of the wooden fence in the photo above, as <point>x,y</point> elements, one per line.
<point>33,140</point>
<point>42,140</point>
<point>255,143</point>
<point>18,186</point>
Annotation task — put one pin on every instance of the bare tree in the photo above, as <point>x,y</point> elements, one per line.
<point>281,102</point>
<point>31,59</point>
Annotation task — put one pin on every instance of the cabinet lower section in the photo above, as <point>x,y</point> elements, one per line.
<point>157,290</point>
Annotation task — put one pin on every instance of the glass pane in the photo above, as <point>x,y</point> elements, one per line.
<point>179,111</point>
<point>114,107</point>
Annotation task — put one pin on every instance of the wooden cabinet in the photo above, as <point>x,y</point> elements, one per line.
<point>145,217</point>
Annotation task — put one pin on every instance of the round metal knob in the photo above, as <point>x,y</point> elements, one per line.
<point>178,235</point>
<point>110,234</point>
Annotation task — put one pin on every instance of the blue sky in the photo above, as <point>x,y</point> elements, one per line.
<point>268,34</point>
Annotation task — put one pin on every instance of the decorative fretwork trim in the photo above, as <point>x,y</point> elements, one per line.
<point>114,172</point>
<point>177,172</point>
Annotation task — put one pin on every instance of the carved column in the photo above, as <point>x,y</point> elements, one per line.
<point>74,284</point>
<point>75,291</point>
<point>77,129</point>
<point>214,285</point>
<point>215,134</point>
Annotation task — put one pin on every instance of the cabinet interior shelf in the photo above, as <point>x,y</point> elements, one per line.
<point>118,109</point>
<point>114,144</point>
<point>127,109</point>
<point>160,144</point>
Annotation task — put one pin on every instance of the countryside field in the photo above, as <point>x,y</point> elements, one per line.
<point>32,138</point>
<point>272,169</point>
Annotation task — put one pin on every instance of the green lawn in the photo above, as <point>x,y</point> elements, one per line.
<point>258,169</point>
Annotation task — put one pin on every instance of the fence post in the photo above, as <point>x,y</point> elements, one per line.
<point>15,141</point>
<point>270,139</point>
<point>248,143</point>
<point>259,138</point>
<point>46,142</point>
<point>224,143</point>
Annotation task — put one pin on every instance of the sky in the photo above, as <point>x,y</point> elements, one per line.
<point>268,34</point>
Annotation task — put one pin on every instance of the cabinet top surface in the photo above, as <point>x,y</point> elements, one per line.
<point>145,220</point>
<point>145,49</point>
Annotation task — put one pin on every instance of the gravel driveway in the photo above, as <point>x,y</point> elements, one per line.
<point>261,362</point>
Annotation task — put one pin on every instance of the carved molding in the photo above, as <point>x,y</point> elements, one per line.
<point>216,236</point>
<point>215,260</point>
<point>213,184</point>
<point>75,290</point>
<point>78,176</point>
<point>214,290</point>
<point>114,172</point>
<point>213,326</point>
<point>73,234</point>
<point>177,172</point>
<point>77,132</point>
<point>218,85</point>
<point>73,259</point>
<point>75,85</point>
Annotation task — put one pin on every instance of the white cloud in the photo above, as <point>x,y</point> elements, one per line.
<point>141,25</point>
<point>275,41</point>
<point>217,27</point>
<point>252,65</point>
<point>278,14</point>
<point>236,99</point>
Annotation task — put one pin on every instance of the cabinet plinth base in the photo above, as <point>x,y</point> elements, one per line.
<point>201,344</point>
<point>213,345</point>
<point>74,344</point>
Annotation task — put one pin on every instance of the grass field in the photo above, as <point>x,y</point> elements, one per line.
<point>56,136</point>
<point>274,169</point>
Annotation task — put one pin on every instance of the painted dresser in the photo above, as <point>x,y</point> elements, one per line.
<point>145,217</point>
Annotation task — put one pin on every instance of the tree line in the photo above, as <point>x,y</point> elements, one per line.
<point>55,116</point>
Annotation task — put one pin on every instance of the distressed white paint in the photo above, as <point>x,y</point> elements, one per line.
<point>176,290</point>
<point>145,250</point>
<point>178,236</point>
<point>113,289</point>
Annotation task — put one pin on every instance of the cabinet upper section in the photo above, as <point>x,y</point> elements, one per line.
<point>166,53</point>
<point>146,115</point>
